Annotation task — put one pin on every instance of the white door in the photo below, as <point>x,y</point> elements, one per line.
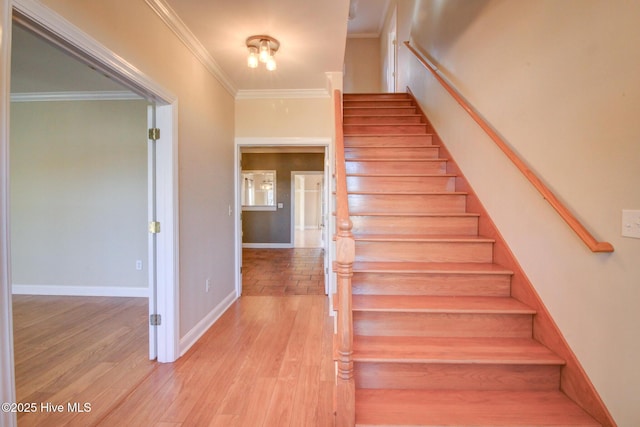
<point>153,241</point>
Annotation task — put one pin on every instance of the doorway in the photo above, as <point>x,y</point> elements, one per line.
<point>40,20</point>
<point>392,54</point>
<point>255,223</point>
<point>308,209</point>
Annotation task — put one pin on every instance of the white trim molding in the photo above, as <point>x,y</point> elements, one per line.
<point>282,141</point>
<point>282,93</point>
<point>84,291</point>
<point>175,23</point>
<point>203,326</point>
<point>7,378</point>
<point>75,96</point>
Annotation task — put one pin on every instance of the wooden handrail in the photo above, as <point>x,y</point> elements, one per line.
<point>345,255</point>
<point>565,214</point>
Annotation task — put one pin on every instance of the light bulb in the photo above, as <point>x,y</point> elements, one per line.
<point>264,50</point>
<point>252,61</point>
<point>271,63</point>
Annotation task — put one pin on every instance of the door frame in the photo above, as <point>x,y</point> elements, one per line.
<point>285,142</point>
<point>87,49</point>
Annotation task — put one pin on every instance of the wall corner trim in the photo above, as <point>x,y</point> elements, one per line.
<point>203,325</point>
<point>180,29</point>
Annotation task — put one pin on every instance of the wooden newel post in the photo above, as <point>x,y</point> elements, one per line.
<point>345,387</point>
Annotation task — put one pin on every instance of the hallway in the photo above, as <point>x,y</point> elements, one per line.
<point>266,362</point>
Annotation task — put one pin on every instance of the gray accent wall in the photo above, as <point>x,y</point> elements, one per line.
<point>275,226</point>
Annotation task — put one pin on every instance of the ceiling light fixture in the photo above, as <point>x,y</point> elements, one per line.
<point>262,49</point>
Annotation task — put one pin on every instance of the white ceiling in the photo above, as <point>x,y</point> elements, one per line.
<point>312,35</point>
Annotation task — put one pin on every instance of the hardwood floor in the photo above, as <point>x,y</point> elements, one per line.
<point>296,271</point>
<point>77,350</point>
<point>266,362</point>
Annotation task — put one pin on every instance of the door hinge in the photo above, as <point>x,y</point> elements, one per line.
<point>240,270</point>
<point>154,134</point>
<point>154,227</point>
<point>155,319</point>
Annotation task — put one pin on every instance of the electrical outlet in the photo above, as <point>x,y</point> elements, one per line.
<point>207,284</point>
<point>139,264</point>
<point>631,223</point>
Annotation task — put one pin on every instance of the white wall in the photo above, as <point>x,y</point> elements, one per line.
<point>79,193</point>
<point>361,62</point>
<point>559,81</point>
<point>205,139</point>
<point>284,117</point>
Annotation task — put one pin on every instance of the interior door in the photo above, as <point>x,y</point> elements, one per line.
<point>153,240</point>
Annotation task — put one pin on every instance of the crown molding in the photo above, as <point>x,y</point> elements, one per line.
<point>74,96</point>
<point>180,29</point>
<point>282,93</point>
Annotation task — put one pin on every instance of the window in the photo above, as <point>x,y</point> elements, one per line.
<point>259,190</point>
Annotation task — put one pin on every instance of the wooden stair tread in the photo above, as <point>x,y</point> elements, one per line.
<point>390,147</point>
<point>407,159</point>
<point>429,267</point>
<point>434,193</point>
<point>402,175</point>
<point>386,135</point>
<point>439,304</point>
<point>418,214</point>
<point>399,349</point>
<point>467,408</point>
<point>421,238</point>
<point>397,115</point>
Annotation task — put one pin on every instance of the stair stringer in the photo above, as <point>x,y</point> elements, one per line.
<point>574,381</point>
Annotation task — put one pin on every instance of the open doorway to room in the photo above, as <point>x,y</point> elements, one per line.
<point>281,236</point>
<point>308,204</point>
<point>83,188</point>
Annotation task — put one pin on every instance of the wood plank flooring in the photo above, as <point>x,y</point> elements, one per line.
<point>296,271</point>
<point>266,362</point>
<point>78,350</point>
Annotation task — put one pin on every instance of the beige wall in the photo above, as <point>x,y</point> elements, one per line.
<point>205,138</point>
<point>284,117</point>
<point>559,81</point>
<point>79,193</point>
<point>361,65</point>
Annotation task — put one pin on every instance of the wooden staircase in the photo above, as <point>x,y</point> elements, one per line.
<point>438,339</point>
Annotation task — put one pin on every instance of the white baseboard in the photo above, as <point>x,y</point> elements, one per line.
<point>268,245</point>
<point>203,326</point>
<point>85,291</point>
